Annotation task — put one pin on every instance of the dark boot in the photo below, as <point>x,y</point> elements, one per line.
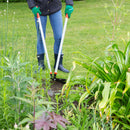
<point>41,61</point>
<point>60,67</point>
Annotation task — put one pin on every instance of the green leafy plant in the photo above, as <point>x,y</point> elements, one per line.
<point>6,116</point>
<point>112,72</point>
<point>116,13</point>
<point>36,101</point>
<point>13,83</point>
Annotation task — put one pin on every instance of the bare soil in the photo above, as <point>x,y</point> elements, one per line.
<point>55,87</point>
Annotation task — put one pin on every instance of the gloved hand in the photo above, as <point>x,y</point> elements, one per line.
<point>36,10</point>
<point>68,10</point>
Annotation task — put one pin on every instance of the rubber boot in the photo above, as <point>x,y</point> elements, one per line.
<point>60,67</point>
<point>40,59</point>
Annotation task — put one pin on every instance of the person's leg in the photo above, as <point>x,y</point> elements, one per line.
<point>57,26</point>
<point>40,47</point>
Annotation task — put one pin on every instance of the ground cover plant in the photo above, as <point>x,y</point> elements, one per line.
<point>111,89</point>
<point>97,92</point>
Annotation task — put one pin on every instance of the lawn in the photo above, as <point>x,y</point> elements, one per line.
<point>85,31</point>
<point>98,101</point>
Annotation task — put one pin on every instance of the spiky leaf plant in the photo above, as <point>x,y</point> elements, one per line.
<point>111,71</point>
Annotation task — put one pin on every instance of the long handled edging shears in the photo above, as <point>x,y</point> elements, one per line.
<point>60,49</point>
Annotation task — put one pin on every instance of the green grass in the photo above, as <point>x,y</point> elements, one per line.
<point>85,31</point>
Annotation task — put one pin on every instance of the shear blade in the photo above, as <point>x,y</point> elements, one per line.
<point>63,81</point>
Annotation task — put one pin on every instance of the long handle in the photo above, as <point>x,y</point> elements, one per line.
<point>61,44</point>
<point>44,43</point>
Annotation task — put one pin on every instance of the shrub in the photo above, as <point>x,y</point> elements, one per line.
<point>110,89</point>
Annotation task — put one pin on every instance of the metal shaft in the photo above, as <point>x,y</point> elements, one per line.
<point>44,43</point>
<point>61,44</point>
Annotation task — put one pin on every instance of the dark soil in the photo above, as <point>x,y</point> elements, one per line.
<point>55,87</point>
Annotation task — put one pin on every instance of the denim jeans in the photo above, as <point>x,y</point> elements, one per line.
<point>57,26</point>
